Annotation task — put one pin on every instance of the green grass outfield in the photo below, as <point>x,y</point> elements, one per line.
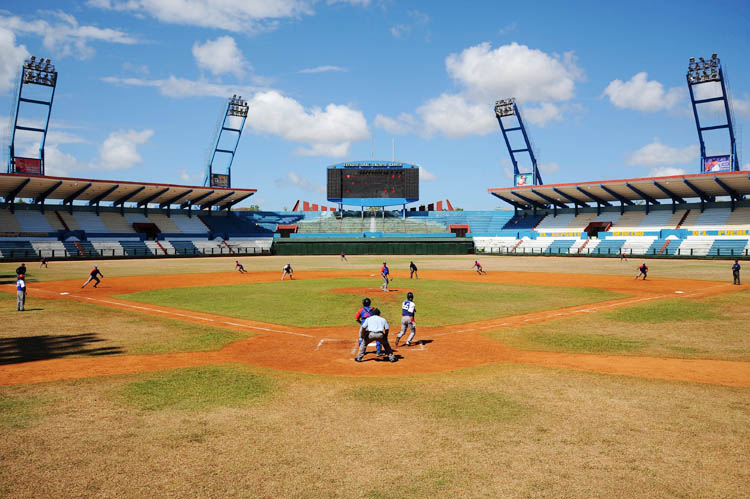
<point>314,303</point>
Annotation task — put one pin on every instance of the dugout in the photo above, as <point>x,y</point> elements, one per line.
<point>380,246</point>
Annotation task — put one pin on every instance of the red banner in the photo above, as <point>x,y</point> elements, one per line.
<point>28,165</point>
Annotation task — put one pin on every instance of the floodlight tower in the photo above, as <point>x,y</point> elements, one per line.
<point>700,72</point>
<point>34,72</point>
<point>503,109</point>
<point>236,107</point>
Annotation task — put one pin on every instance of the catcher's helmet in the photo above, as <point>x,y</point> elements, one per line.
<point>366,302</point>
<point>409,295</point>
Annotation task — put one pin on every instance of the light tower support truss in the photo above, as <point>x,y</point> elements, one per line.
<point>700,72</point>
<point>503,109</point>
<point>34,72</point>
<point>236,107</point>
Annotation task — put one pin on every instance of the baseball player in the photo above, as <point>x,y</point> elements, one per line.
<point>288,270</point>
<point>43,262</point>
<point>407,319</point>
<point>385,274</point>
<point>21,269</point>
<point>93,277</point>
<point>413,270</point>
<point>21,293</point>
<point>343,257</point>
<point>478,266</point>
<point>374,328</point>
<point>642,271</point>
<point>736,272</point>
<point>238,266</point>
<point>362,314</point>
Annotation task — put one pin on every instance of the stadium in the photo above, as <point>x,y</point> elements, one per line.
<point>550,369</point>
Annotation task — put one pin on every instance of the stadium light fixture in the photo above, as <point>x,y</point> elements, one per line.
<point>504,107</point>
<point>40,72</point>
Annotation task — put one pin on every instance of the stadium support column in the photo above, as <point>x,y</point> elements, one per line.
<point>233,123</point>
<point>711,72</point>
<point>506,108</point>
<point>34,72</point>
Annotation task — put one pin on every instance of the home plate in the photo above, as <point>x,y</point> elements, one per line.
<point>679,292</point>
<point>64,293</point>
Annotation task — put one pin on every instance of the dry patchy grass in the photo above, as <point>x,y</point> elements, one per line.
<point>62,328</point>
<point>717,327</point>
<point>503,430</point>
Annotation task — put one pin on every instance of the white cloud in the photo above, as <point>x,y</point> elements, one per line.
<point>746,167</point>
<point>64,35</point>
<point>221,56</point>
<point>400,30</point>
<point>515,71</point>
<point>323,69</point>
<point>641,94</point>
<point>741,107</point>
<point>363,3</point>
<point>189,178</point>
<point>535,78</point>
<point>455,117</point>
<point>297,180</point>
<point>426,175</point>
<point>551,167</point>
<point>232,15</point>
<point>140,69</point>
<point>325,132</point>
<point>119,152</point>
<point>402,125</point>
<point>657,154</point>
<point>666,171</point>
<point>181,87</point>
<point>11,58</point>
<point>544,113</point>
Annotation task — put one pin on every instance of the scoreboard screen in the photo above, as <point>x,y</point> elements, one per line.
<point>383,183</point>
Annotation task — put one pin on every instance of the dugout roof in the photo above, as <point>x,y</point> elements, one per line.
<point>704,187</point>
<point>41,188</point>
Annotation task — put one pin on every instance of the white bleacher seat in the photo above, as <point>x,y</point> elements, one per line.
<point>190,225</point>
<point>33,221</point>
<point>89,221</point>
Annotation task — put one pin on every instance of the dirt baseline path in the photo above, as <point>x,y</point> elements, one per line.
<point>330,350</point>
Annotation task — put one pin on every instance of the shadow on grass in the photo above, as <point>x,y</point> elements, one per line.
<point>31,348</point>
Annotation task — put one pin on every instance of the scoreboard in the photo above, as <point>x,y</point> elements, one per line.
<point>390,182</point>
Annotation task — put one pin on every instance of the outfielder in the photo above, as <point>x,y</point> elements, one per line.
<point>374,328</point>
<point>93,277</point>
<point>407,319</point>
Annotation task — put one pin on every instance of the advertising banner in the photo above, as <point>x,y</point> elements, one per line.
<point>28,165</point>
<point>219,180</point>
<point>717,164</point>
<point>523,179</point>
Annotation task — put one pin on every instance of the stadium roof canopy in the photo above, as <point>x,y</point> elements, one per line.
<point>704,187</point>
<point>41,188</point>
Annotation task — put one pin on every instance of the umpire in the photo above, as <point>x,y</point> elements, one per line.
<point>374,328</point>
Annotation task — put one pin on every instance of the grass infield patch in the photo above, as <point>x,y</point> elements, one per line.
<point>316,303</point>
<point>20,412</point>
<point>664,311</point>
<point>198,388</point>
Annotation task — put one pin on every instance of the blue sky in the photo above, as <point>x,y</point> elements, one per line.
<point>601,85</point>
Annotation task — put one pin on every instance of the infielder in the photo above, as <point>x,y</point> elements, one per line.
<point>93,277</point>
<point>21,293</point>
<point>374,328</point>
<point>238,266</point>
<point>407,319</point>
<point>413,270</point>
<point>736,272</point>
<point>288,270</point>
<point>385,274</point>
<point>362,314</point>
<point>642,271</point>
<point>478,266</point>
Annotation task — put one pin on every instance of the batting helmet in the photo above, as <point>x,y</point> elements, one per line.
<point>409,295</point>
<point>366,302</point>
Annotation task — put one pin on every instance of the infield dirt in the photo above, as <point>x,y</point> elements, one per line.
<point>330,350</point>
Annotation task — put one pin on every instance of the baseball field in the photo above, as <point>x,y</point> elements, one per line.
<point>544,377</point>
